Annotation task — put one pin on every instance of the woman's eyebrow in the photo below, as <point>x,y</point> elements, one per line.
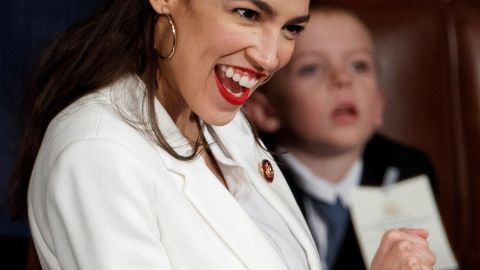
<point>267,8</point>
<point>262,5</point>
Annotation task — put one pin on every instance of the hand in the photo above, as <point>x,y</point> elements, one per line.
<point>404,249</point>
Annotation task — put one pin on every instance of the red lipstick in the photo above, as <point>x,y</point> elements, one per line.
<point>229,97</point>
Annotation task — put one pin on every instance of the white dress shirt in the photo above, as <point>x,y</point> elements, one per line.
<point>262,213</point>
<point>322,189</point>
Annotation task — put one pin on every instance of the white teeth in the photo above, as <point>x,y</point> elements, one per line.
<point>251,83</point>
<point>229,72</point>
<point>244,81</point>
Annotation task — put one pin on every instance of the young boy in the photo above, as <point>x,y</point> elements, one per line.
<point>320,113</point>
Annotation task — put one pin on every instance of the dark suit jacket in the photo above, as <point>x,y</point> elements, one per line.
<point>380,153</point>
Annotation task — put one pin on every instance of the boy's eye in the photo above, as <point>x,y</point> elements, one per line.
<point>248,14</point>
<point>360,66</point>
<point>309,69</point>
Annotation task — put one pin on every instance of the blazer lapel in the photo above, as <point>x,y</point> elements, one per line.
<point>225,216</point>
<point>216,205</point>
<point>243,148</point>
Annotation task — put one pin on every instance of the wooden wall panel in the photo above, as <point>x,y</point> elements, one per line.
<point>467,21</point>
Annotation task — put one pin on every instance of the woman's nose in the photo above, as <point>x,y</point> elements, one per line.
<point>265,51</point>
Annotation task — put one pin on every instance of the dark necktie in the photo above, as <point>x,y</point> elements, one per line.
<point>336,218</point>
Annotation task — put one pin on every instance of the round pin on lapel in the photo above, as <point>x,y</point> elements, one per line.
<point>266,170</point>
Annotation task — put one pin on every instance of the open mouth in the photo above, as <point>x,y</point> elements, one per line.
<point>345,113</point>
<point>234,84</point>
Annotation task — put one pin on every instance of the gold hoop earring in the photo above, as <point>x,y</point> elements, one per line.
<point>174,35</point>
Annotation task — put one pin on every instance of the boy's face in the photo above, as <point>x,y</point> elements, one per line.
<point>327,98</point>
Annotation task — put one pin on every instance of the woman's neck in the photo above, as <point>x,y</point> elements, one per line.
<point>176,107</point>
<point>188,123</point>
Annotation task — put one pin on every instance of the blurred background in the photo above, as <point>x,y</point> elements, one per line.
<point>429,52</point>
<point>26,27</point>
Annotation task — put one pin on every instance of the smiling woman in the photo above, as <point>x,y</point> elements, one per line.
<point>134,154</point>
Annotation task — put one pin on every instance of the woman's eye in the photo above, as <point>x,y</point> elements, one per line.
<point>248,14</point>
<point>293,30</point>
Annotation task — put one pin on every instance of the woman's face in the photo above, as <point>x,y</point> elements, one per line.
<point>328,94</point>
<point>225,49</point>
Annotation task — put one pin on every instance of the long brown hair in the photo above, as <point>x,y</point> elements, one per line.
<point>115,40</point>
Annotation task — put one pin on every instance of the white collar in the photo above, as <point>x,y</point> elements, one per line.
<point>320,188</point>
<point>218,149</point>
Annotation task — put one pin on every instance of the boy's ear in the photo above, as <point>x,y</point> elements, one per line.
<point>261,112</point>
<point>163,6</point>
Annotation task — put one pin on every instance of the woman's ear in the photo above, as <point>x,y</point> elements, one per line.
<point>162,6</point>
<point>262,113</point>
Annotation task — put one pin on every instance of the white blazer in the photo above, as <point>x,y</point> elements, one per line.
<point>103,196</point>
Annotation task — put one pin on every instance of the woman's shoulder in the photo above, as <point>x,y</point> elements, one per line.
<point>103,114</point>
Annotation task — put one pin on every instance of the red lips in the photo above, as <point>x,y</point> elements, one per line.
<point>345,113</point>
<point>223,81</point>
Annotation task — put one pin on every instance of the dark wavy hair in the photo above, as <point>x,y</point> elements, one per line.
<point>115,40</point>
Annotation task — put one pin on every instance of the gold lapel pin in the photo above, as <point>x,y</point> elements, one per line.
<point>266,170</point>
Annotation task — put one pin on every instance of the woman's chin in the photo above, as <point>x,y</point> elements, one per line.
<point>219,119</point>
